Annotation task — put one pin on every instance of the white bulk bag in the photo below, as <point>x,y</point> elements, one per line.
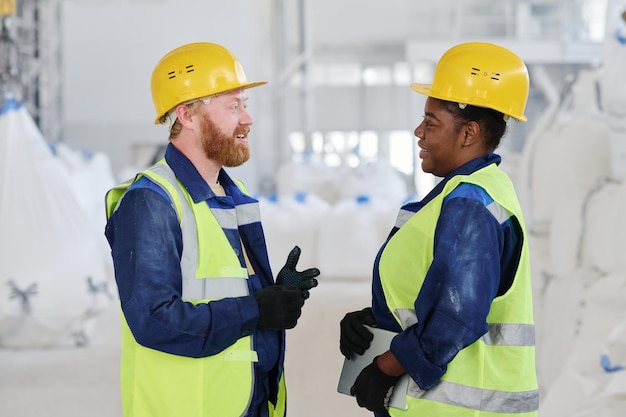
<point>352,234</point>
<point>53,276</point>
<point>291,220</point>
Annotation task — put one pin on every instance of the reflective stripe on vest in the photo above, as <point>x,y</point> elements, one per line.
<point>478,399</point>
<point>500,213</point>
<point>495,374</point>
<point>159,384</point>
<point>407,317</point>
<point>240,216</point>
<point>199,288</point>
<point>403,217</point>
<point>499,334</point>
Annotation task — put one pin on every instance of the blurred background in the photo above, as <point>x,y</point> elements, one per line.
<point>333,159</point>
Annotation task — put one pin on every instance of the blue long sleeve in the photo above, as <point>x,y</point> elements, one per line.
<point>146,244</point>
<point>456,296</point>
<point>475,258</point>
<point>149,283</point>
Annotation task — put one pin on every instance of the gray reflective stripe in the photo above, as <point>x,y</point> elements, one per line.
<point>214,288</point>
<point>248,213</point>
<point>403,217</point>
<point>189,260</point>
<point>499,334</point>
<point>227,218</point>
<point>500,213</point>
<point>407,317</point>
<point>208,287</point>
<point>239,216</point>
<point>510,334</point>
<point>478,399</point>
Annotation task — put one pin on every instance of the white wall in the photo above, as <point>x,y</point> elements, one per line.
<point>110,49</point>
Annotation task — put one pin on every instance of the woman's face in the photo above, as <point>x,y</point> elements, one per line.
<point>440,142</point>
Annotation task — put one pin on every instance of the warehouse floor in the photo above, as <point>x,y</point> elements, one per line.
<point>75,382</point>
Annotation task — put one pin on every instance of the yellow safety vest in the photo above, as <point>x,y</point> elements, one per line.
<point>494,376</point>
<point>158,384</point>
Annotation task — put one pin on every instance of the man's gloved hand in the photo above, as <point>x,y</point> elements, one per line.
<point>373,387</point>
<point>354,336</point>
<point>289,277</point>
<point>279,307</point>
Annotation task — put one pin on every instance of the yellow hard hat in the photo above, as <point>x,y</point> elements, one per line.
<point>483,75</point>
<point>194,71</point>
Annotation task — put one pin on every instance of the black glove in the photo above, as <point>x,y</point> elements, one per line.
<point>373,387</point>
<point>279,307</point>
<point>354,336</point>
<point>289,277</point>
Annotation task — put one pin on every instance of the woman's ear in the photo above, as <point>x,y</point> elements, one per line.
<point>471,132</point>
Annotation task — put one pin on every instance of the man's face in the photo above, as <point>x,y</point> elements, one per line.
<point>225,127</point>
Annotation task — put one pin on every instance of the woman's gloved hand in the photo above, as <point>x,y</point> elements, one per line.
<point>354,336</point>
<point>373,388</point>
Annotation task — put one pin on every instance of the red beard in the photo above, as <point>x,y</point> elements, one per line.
<point>223,148</point>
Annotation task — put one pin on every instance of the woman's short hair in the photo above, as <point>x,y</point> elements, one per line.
<point>492,122</point>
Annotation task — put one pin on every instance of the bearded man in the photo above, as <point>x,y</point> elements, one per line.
<point>203,321</point>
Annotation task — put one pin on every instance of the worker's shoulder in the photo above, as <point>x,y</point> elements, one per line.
<point>469,191</point>
<point>145,183</point>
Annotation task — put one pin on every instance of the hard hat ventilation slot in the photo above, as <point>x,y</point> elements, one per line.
<point>475,71</point>
<point>495,76</point>
<point>188,69</point>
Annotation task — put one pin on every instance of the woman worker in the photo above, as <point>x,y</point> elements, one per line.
<point>453,278</point>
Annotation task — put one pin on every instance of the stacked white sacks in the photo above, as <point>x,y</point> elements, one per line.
<point>91,177</point>
<point>312,177</point>
<point>565,156</point>
<point>592,380</point>
<point>612,86</point>
<point>54,273</point>
<point>378,179</point>
<point>574,213</point>
<point>352,234</point>
<point>361,207</point>
<point>289,221</point>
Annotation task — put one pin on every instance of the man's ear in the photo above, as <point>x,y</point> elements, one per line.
<point>471,133</point>
<point>184,114</point>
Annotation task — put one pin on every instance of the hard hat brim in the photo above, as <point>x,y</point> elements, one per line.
<point>246,86</point>
<point>252,85</point>
<point>427,90</point>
